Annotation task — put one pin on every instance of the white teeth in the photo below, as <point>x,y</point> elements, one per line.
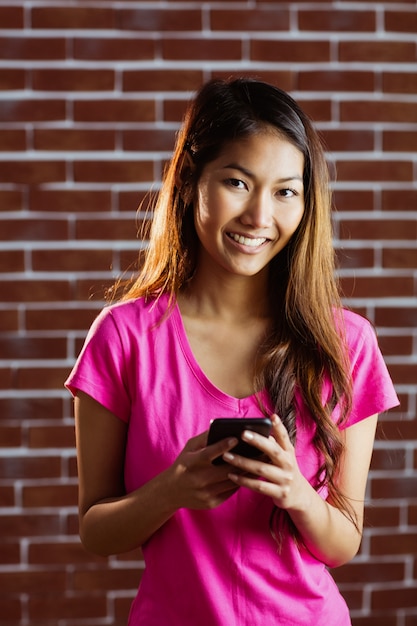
<point>246,241</point>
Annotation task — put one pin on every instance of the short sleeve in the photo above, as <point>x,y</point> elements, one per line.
<point>100,369</point>
<point>373,390</point>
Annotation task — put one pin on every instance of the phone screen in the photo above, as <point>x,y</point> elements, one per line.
<point>225,427</point>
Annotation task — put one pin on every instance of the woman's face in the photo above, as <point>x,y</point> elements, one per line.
<point>249,201</point>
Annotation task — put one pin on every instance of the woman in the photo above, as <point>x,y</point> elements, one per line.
<point>235,313</point>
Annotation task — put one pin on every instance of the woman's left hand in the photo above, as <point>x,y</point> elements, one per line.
<point>280,478</point>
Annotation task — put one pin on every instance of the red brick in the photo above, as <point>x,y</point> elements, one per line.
<point>202,49</point>
<point>400,142</point>
<point>357,200</point>
<point>9,320</point>
<point>336,80</point>
<point>60,319</point>
<point>27,408</point>
<point>122,578</point>
<point>378,229</point>
<point>334,20</point>
<point>32,48</point>
<point>107,229</point>
<point>174,110</point>
<point>50,496</point>
<point>393,430</point>
<point>401,317</point>
<point>10,553</point>
<point>51,436</point>
<point>159,20</point>
<point>10,200</point>
<point>12,140</point>
<point>378,111</point>
<point>33,467</point>
<point>399,82</point>
<point>399,258</point>
<point>10,436</point>
<point>401,21</point>
<point>394,598</point>
<point>290,51</point>
<point>401,543</point>
<point>114,171</point>
<point>404,374</point>
<point>12,79</point>
<point>388,459</point>
<point>72,80</point>
<point>399,199</point>
<point>348,140</point>
<point>140,140</point>
<point>377,51</point>
<point>247,20</point>
<point>32,581</point>
<point>375,170</point>
<point>376,619</point>
<point>7,498</point>
<point>114,49</point>
<point>15,347</point>
<point>12,260</point>
<point>72,17</point>
<point>318,110</point>
<point>396,345</point>
<point>35,290</point>
<point>69,200</point>
<point>32,110</point>
<point>363,572</point>
<point>133,200</point>
<point>114,110</point>
<point>73,139</point>
<point>40,377</point>
<point>382,516</point>
<point>285,79</point>
<point>71,607</point>
<point>162,80</point>
<point>34,230</point>
<point>93,291</point>
<point>32,172</point>
<point>60,553</point>
<point>72,260</point>
<point>11,17</point>
<point>349,258</point>
<point>377,287</point>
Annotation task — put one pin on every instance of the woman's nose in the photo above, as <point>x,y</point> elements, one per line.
<point>258,211</point>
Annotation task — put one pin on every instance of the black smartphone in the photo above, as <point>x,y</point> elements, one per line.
<point>225,427</point>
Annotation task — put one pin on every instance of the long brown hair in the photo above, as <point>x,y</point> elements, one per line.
<point>306,342</point>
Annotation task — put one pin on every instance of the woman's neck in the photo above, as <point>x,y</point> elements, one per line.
<point>234,298</point>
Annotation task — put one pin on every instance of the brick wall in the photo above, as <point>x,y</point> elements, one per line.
<point>91,94</point>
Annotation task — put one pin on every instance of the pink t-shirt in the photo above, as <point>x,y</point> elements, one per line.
<point>219,567</point>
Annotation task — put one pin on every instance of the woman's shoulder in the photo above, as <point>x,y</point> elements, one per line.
<point>359,333</point>
<point>149,310</point>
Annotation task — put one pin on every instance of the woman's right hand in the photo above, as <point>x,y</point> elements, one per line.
<point>195,482</point>
<point>192,481</point>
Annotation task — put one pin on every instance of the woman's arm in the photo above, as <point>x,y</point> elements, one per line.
<point>112,521</point>
<point>327,533</point>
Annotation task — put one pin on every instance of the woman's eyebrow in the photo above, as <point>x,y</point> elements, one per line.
<point>240,168</point>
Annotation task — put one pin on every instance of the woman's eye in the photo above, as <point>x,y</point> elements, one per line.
<point>235,182</point>
<point>287,193</point>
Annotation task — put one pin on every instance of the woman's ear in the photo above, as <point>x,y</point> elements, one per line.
<point>184,178</point>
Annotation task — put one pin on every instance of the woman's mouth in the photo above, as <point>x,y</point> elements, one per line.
<point>252,242</point>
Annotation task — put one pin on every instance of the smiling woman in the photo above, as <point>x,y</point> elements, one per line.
<point>234,313</point>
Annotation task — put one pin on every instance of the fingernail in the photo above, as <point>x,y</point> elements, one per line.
<point>247,435</point>
<point>228,456</point>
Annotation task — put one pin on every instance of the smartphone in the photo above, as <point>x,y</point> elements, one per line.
<point>225,427</point>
